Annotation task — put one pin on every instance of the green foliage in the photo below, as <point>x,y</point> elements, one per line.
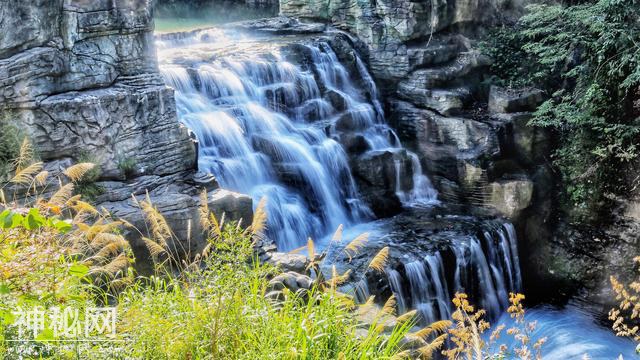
<point>33,220</point>
<point>222,312</point>
<point>10,140</point>
<point>87,186</point>
<point>128,166</point>
<point>587,58</point>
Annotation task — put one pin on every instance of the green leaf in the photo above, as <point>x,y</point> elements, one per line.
<point>34,220</point>
<point>10,220</point>
<point>7,317</point>
<point>78,270</point>
<point>61,225</point>
<point>4,289</point>
<point>45,335</point>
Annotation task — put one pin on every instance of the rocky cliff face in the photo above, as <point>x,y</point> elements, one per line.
<point>80,78</point>
<point>398,32</point>
<point>474,141</point>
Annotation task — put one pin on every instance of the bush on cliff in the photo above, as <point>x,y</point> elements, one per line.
<point>10,140</point>
<point>587,58</point>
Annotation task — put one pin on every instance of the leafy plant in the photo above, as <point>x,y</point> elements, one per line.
<point>586,57</point>
<point>128,166</point>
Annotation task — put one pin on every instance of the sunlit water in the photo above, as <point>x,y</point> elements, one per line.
<point>266,128</point>
<point>571,334</point>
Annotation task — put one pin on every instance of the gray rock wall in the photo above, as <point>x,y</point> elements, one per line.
<point>394,29</point>
<point>80,77</point>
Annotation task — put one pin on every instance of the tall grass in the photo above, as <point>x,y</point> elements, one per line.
<point>217,304</point>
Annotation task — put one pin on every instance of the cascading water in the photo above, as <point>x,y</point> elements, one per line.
<point>266,128</point>
<point>485,267</point>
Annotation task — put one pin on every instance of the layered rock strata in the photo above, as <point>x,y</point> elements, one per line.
<point>80,78</point>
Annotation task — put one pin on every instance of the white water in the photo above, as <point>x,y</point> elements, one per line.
<point>485,269</point>
<point>265,128</point>
<point>571,334</point>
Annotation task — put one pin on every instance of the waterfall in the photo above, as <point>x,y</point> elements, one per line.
<point>486,268</point>
<point>395,281</point>
<point>269,127</point>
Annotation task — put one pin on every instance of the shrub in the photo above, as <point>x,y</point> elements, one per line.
<point>10,141</point>
<point>128,166</point>
<point>586,57</point>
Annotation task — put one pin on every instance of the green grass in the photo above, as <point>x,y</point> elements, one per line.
<point>222,313</point>
<point>219,311</point>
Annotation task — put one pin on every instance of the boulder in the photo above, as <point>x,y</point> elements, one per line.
<point>380,175</point>
<point>291,280</point>
<point>354,144</point>
<point>234,206</point>
<point>502,100</point>
<point>510,197</point>
<point>336,99</point>
<point>289,262</point>
<point>385,169</point>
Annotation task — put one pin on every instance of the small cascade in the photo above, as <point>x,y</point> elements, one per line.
<point>361,291</point>
<point>269,127</point>
<point>486,268</point>
<point>395,281</point>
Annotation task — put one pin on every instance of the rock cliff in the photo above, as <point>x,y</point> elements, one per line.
<point>399,33</point>
<point>80,78</point>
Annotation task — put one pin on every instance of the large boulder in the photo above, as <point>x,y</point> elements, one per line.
<point>510,197</point>
<point>445,144</point>
<point>380,176</point>
<point>234,206</point>
<point>502,100</point>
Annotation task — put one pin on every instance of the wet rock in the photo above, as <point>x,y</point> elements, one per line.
<point>444,144</point>
<point>380,169</point>
<point>336,99</point>
<point>354,144</point>
<point>354,119</point>
<point>379,175</point>
<point>503,100</point>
